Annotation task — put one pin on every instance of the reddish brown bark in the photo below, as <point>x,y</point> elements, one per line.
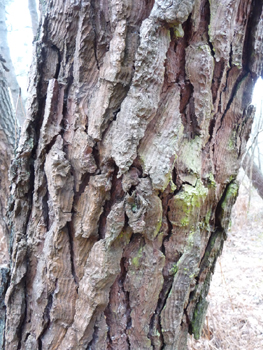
<point>125,174</point>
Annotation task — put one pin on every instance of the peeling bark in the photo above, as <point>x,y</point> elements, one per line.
<point>124,178</point>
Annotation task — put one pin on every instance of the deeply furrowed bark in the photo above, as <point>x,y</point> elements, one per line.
<point>125,175</point>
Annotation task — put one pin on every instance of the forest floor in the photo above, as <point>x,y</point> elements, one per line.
<point>235,314</point>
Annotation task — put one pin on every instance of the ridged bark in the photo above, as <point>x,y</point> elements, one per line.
<point>125,175</point>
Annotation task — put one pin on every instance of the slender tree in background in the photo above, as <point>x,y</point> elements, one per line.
<point>32,6</point>
<point>7,142</point>
<point>125,174</point>
<point>11,75</point>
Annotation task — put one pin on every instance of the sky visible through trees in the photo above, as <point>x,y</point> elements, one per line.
<point>20,39</point>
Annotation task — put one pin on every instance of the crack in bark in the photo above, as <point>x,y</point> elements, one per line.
<point>94,337</point>
<point>124,272</point>
<point>46,316</point>
<point>252,23</point>
<point>240,78</point>
<point>95,40</point>
<point>115,196</point>
<point>72,255</point>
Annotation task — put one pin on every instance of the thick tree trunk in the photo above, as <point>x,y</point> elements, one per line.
<point>125,175</point>
<point>7,140</point>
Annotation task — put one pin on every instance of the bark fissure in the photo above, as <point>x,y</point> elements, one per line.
<point>95,40</point>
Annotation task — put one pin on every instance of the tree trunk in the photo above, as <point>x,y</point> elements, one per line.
<point>7,140</point>
<point>125,175</point>
<point>11,75</point>
<point>253,173</point>
<point>32,6</point>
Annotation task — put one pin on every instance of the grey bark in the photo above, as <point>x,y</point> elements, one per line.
<point>124,179</point>
<point>253,173</point>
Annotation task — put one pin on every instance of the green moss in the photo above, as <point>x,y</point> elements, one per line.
<point>187,202</point>
<point>173,269</point>
<point>178,31</point>
<point>230,196</point>
<point>173,186</point>
<point>211,180</point>
<point>136,259</point>
<point>199,318</point>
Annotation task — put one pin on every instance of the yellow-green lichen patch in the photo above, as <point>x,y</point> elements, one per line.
<point>178,31</point>
<point>210,180</point>
<point>231,193</point>
<point>136,259</point>
<point>173,269</point>
<point>227,203</point>
<point>186,203</point>
<point>190,156</point>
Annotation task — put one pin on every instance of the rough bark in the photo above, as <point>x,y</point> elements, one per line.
<point>11,75</point>
<point>7,141</point>
<point>125,174</point>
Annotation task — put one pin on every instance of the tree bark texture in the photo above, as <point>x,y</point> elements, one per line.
<point>7,141</point>
<point>124,178</point>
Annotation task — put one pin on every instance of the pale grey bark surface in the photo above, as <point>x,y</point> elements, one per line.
<point>122,188</point>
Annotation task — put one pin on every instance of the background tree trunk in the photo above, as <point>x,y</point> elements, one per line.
<point>125,175</point>
<point>253,173</point>
<point>7,141</point>
<point>32,6</point>
<point>18,103</point>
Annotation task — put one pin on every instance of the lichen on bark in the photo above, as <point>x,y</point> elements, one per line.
<point>125,173</point>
